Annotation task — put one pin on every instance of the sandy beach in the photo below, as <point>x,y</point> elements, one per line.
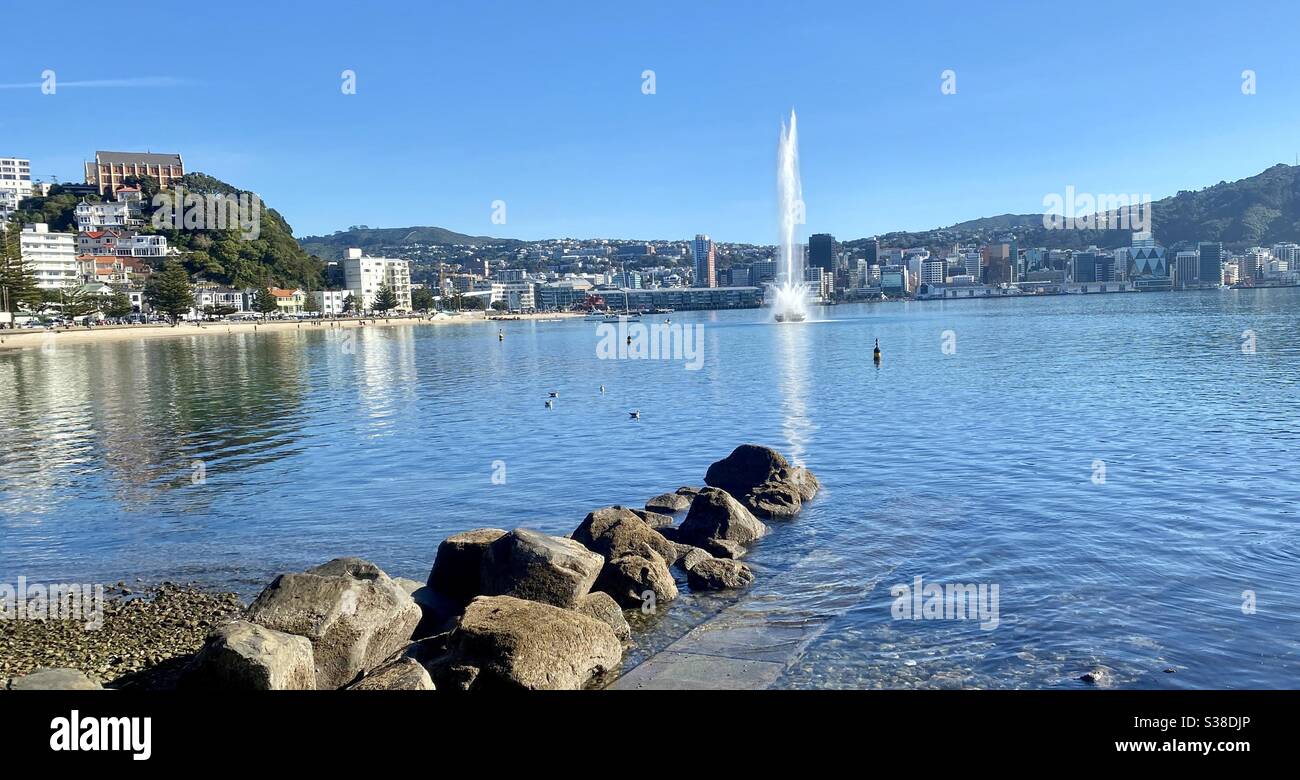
<point>35,339</point>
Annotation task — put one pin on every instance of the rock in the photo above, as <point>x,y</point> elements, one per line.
<point>353,614</point>
<point>531,565</point>
<point>807,484</point>
<point>458,563</point>
<point>718,574</point>
<point>654,519</point>
<point>244,656</point>
<point>1100,677</point>
<point>668,503</point>
<point>716,515</point>
<point>689,492</point>
<point>437,612</point>
<point>774,500</point>
<point>628,579</point>
<point>601,606</point>
<point>407,584</point>
<point>747,467</point>
<point>691,556</point>
<point>504,642</point>
<point>53,679</point>
<point>721,548</point>
<point>616,531</point>
<point>404,674</point>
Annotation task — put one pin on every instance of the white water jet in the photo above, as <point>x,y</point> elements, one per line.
<point>789,292</point>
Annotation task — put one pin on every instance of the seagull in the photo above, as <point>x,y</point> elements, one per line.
<point>635,415</point>
<point>602,388</point>
<point>555,394</point>
<point>549,403</point>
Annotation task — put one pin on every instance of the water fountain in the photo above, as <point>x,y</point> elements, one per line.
<point>789,292</point>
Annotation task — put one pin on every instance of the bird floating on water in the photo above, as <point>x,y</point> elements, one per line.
<point>501,335</point>
<point>635,415</point>
<point>554,394</point>
<point>549,403</point>
<point>602,388</point>
<point>875,355</point>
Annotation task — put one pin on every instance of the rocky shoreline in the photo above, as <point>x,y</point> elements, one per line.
<point>500,610</point>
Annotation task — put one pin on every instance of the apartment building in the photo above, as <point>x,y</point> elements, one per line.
<point>16,176</point>
<point>110,170</point>
<point>364,275</point>
<point>52,257</point>
<point>93,217</point>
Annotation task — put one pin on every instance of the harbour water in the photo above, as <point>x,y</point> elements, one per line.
<point>1122,467</point>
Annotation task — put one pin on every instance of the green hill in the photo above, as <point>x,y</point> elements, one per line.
<point>373,239</point>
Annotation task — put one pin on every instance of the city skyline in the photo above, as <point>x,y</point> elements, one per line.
<point>436,134</point>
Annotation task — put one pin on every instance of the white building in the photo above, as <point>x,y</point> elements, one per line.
<point>52,257</point>
<point>363,276</point>
<point>141,246</point>
<point>8,204</point>
<point>518,296</point>
<point>92,217</point>
<point>16,175</point>
<point>330,302</point>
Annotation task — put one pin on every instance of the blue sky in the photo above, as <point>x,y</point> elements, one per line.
<point>540,105</point>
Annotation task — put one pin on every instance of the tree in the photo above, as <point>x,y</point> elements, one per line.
<point>266,302</point>
<point>500,305</point>
<point>169,291</point>
<point>385,299</point>
<point>421,299</point>
<point>119,305</point>
<point>17,282</point>
<point>79,303</point>
<point>349,304</point>
<point>310,304</point>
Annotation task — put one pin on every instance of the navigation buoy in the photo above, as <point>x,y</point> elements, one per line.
<point>875,355</point>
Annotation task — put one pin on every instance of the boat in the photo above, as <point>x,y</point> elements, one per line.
<point>627,317</point>
<point>596,316</point>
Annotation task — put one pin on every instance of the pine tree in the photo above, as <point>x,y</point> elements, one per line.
<point>169,292</point>
<point>266,302</point>
<point>17,282</point>
<point>385,298</point>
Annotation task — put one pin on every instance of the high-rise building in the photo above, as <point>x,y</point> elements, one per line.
<point>706,257</point>
<point>110,170</point>
<point>872,248</point>
<point>16,176</point>
<point>364,275</point>
<point>821,251</point>
<point>1210,271</point>
<point>1186,269</point>
<point>51,257</point>
<point>934,270</point>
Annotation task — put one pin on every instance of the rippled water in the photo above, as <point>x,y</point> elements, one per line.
<point>972,467</point>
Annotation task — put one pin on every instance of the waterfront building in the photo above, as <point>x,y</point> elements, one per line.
<point>517,296</point>
<point>872,252</point>
<point>364,275</point>
<point>683,298</point>
<point>762,272</point>
<point>705,255</point>
<point>110,170</point>
<point>934,271</point>
<point>330,302</point>
<point>1186,269</point>
<point>217,296</point>
<point>288,301</point>
<point>1210,269</point>
<point>52,257</point>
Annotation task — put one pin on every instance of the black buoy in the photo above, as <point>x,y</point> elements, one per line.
<point>875,355</point>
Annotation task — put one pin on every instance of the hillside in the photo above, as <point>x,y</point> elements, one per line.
<point>222,256</point>
<point>375,239</point>
<point>1257,211</point>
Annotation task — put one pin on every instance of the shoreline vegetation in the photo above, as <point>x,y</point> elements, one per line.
<point>500,610</point>
<point>19,339</point>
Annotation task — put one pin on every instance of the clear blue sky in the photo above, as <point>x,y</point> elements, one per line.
<point>540,105</point>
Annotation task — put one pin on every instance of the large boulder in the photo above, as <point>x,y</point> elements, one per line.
<point>616,531</point>
<point>458,563</point>
<point>654,519</point>
<point>404,674</point>
<point>716,515</point>
<point>718,574</point>
<point>669,503</point>
<point>603,607</point>
<point>805,482</point>
<point>630,577</point>
<point>507,643</point>
<point>774,500</point>
<point>531,565</point>
<point>353,614</point>
<point>691,556</point>
<point>53,679</point>
<point>747,467</point>
<point>244,656</point>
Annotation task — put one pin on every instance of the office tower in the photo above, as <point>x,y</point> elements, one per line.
<point>821,251</point>
<point>1211,264</point>
<point>873,252</point>
<point>705,254</point>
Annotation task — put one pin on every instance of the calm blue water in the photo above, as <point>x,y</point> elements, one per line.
<point>972,467</point>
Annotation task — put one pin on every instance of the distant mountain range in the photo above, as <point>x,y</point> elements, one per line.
<point>1260,210</point>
